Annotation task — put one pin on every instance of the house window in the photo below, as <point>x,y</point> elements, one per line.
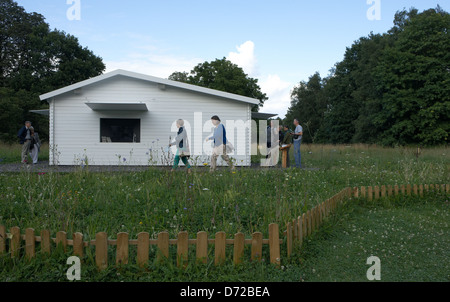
<point>120,130</point>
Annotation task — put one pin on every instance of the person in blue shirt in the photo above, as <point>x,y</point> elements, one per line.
<point>220,144</point>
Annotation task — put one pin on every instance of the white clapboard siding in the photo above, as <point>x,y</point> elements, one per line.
<point>75,128</point>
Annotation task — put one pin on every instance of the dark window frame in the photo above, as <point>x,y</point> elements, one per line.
<point>120,135</point>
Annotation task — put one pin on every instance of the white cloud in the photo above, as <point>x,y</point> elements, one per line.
<point>279,93</point>
<point>245,58</point>
<point>156,65</point>
<point>150,57</point>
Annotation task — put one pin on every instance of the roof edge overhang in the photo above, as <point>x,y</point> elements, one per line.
<point>148,78</point>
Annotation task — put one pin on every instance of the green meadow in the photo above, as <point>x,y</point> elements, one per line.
<point>246,201</point>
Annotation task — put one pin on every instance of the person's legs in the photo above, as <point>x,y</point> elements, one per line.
<point>226,158</point>
<point>214,157</point>
<point>25,150</point>
<point>176,162</point>
<point>297,154</point>
<point>35,155</point>
<point>186,162</point>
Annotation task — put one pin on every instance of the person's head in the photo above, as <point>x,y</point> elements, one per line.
<point>31,130</point>
<point>296,122</point>
<point>28,124</point>
<point>215,120</point>
<point>180,123</point>
<point>286,127</point>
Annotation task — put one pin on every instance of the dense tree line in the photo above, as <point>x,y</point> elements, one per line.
<point>390,89</point>
<point>35,60</point>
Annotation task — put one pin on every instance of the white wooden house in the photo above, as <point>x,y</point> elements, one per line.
<point>128,118</point>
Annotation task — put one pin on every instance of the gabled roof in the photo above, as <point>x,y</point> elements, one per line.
<point>152,79</point>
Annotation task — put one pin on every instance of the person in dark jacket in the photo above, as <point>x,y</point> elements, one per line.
<point>24,136</point>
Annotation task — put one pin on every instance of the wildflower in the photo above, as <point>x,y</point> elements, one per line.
<point>124,159</point>
<point>167,210</point>
<point>140,223</point>
<point>205,189</point>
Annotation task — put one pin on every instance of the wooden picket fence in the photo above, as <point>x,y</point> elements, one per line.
<point>310,221</point>
<point>295,232</point>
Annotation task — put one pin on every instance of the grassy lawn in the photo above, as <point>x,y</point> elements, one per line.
<point>246,201</point>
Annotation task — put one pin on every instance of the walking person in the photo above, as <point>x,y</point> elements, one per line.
<point>35,146</point>
<point>24,136</point>
<point>220,144</point>
<point>298,134</point>
<point>182,144</point>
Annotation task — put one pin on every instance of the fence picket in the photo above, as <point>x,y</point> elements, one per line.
<point>45,242</point>
<point>274,244</point>
<point>304,226</point>
<point>257,242</point>
<point>239,245</point>
<point>143,249</point>
<point>403,189</point>
<point>421,190</point>
<point>300,231</point>
<point>163,246</point>
<point>30,244</point>
<point>408,190</point>
<point>289,239</point>
<point>377,192</point>
<point>15,242</point>
<point>383,191</point>
<point>182,249</point>
<point>370,194</point>
<point>202,247</point>
<point>363,192</point>
<point>101,250</point>
<point>2,239</point>
<point>122,250</point>
<point>61,239</point>
<point>308,215</point>
<point>390,191</point>
<point>415,190</point>
<point>78,245</point>
<point>220,248</point>
<point>396,190</point>
<point>294,230</point>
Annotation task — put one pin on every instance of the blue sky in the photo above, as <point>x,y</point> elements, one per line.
<point>278,42</point>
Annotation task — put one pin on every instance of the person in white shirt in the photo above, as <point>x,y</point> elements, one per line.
<point>35,146</point>
<point>298,134</point>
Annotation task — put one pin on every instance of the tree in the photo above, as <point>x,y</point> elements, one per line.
<point>35,60</point>
<point>308,105</point>
<point>391,88</point>
<point>224,76</point>
<point>414,80</point>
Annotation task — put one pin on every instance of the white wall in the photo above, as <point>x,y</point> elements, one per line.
<point>76,127</point>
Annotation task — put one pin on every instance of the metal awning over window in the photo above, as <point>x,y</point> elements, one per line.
<point>262,116</point>
<point>117,106</point>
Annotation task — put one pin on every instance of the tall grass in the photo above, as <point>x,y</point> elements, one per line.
<point>12,153</point>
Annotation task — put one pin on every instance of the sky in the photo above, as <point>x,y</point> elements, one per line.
<point>280,43</point>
